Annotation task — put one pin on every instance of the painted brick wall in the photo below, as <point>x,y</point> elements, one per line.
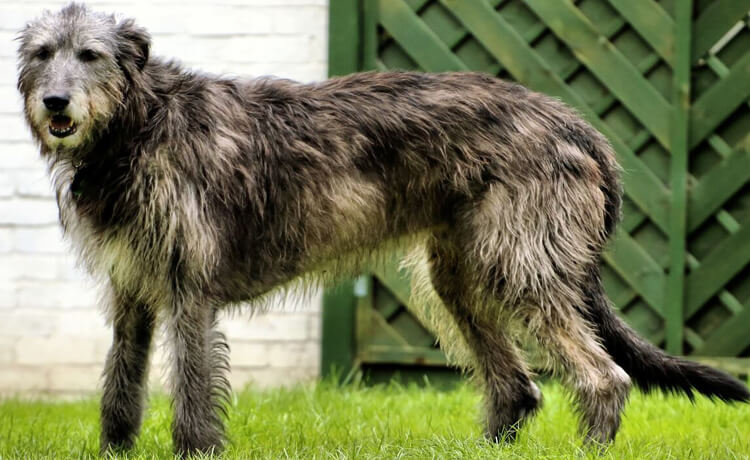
<point>52,337</point>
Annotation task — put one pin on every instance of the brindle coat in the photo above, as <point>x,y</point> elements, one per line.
<point>185,193</point>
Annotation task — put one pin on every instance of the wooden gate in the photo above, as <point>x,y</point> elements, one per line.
<point>668,82</point>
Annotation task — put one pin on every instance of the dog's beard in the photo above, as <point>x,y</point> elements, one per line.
<point>61,130</point>
<point>66,136</point>
<point>67,144</point>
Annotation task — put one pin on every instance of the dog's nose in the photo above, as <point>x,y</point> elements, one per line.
<point>56,102</point>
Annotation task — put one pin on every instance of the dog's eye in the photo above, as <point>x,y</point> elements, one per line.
<point>88,55</point>
<point>42,53</point>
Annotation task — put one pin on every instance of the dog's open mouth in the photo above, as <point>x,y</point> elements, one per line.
<point>61,126</point>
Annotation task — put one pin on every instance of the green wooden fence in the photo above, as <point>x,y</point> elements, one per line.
<point>668,82</point>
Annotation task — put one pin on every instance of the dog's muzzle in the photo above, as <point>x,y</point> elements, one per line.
<point>61,125</point>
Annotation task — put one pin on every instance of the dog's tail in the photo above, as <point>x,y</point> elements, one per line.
<point>648,366</point>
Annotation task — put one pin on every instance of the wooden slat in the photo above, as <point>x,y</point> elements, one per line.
<point>512,51</point>
<point>714,22</point>
<point>386,305</point>
<point>692,338</point>
<point>645,321</point>
<point>343,21</point>
<point>450,31</point>
<point>714,105</point>
<point>632,220</point>
<point>727,298</point>
<point>416,38</point>
<point>389,307</point>
<point>412,329</point>
<point>509,48</point>
<point>736,366</point>
<point>374,330</point>
<point>721,146</point>
<point>678,178</point>
<point>403,355</point>
<point>729,339</point>
<point>609,65</point>
<point>397,281</point>
<point>636,266</point>
<point>608,29</point>
<point>453,37</point>
<point>338,336</point>
<point>650,20</point>
<point>623,298</point>
<point>415,5</point>
<point>727,258</point>
<point>717,186</point>
<point>369,36</point>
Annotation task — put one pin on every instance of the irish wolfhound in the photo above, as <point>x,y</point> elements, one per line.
<point>186,192</point>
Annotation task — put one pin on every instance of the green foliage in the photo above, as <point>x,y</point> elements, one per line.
<point>326,421</point>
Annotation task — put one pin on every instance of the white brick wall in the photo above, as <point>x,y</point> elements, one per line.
<point>52,336</point>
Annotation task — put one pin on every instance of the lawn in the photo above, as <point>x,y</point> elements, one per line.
<point>388,421</point>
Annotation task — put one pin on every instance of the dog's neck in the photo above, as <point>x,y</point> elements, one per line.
<point>120,142</point>
<point>120,137</point>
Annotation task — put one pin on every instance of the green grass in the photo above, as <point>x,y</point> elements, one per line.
<point>388,421</point>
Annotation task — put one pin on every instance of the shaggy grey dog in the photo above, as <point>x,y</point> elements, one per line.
<point>186,193</point>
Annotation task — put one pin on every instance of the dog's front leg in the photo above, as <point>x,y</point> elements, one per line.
<point>197,390</point>
<point>125,372</point>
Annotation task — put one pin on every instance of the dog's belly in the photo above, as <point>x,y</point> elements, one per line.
<point>356,216</point>
<point>349,226</point>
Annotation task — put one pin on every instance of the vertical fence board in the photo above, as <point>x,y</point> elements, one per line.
<point>678,177</point>
<point>344,56</point>
<point>338,345</point>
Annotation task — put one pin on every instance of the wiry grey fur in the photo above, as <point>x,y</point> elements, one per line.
<point>186,193</point>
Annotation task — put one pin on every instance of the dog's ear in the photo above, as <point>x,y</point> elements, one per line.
<point>133,44</point>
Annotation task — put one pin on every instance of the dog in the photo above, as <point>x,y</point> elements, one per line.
<point>185,193</point>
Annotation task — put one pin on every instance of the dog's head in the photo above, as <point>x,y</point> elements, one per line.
<point>74,70</point>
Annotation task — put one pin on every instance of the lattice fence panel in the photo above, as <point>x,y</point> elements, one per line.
<point>613,60</point>
<point>717,306</point>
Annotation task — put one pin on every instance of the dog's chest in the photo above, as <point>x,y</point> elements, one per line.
<point>113,256</point>
<point>123,263</point>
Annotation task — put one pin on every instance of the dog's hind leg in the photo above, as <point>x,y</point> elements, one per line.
<point>125,373</point>
<point>531,247</point>
<point>199,385</point>
<point>600,386</point>
<point>511,396</point>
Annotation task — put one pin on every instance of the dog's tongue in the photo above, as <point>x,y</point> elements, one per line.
<point>60,122</point>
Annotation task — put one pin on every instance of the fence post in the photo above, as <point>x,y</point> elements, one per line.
<point>344,34</point>
<point>678,176</point>
<point>337,338</point>
<point>344,57</point>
